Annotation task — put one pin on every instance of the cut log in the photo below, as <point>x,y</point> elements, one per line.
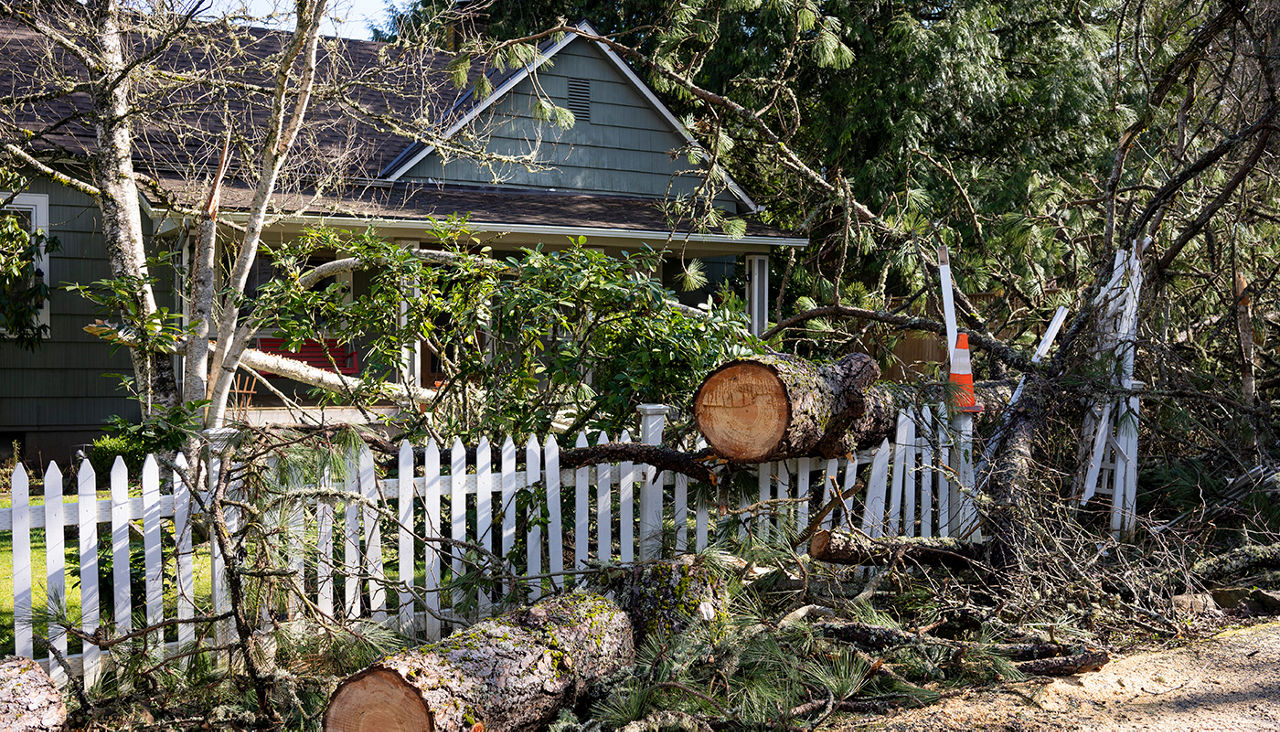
<point>513,672</point>
<point>845,547</point>
<point>29,701</point>
<point>775,405</point>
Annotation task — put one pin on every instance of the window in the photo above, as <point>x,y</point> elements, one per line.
<point>27,318</point>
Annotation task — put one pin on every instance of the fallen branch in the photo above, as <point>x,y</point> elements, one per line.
<point>855,548</point>
<point>1066,665</point>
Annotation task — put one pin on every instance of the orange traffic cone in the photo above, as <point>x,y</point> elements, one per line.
<point>962,396</point>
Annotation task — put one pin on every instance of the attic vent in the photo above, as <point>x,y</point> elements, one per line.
<point>580,99</point>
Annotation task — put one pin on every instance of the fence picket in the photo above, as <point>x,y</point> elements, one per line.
<point>351,542</point>
<point>764,484</point>
<point>375,502</point>
<point>702,519</point>
<point>457,511</point>
<point>508,498</point>
<point>604,508</point>
<point>184,580</point>
<point>945,489</point>
<point>432,531</point>
<point>404,506</point>
<point>804,470</point>
<point>120,546</point>
<point>581,511</point>
<point>877,483</point>
<point>21,498</point>
<point>894,507</point>
<point>484,514</point>
<point>680,512</point>
<point>555,528</point>
<point>906,461</point>
<point>87,506</point>
<point>153,566</point>
<point>925,448</point>
<point>533,546</point>
<point>846,489</point>
<point>783,492</point>
<point>55,562</point>
<point>626,507</point>
<point>324,547</point>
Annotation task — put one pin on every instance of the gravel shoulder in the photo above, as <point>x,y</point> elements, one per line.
<point>1230,681</point>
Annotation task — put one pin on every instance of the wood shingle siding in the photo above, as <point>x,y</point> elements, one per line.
<point>626,147</point>
<point>59,388</point>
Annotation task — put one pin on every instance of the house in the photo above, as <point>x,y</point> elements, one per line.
<point>605,177</point>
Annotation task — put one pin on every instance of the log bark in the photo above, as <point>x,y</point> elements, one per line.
<point>29,702</point>
<point>775,405</point>
<point>843,547</point>
<point>670,597</point>
<point>1066,665</point>
<point>509,673</point>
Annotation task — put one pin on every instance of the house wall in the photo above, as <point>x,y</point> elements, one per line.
<point>56,396</point>
<point>624,148</point>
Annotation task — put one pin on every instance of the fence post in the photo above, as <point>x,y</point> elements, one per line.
<point>653,419</point>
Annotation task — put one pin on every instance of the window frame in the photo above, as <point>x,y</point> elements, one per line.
<point>37,205</point>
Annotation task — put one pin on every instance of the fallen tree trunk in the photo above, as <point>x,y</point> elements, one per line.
<point>29,702</point>
<point>774,407</point>
<point>777,405</point>
<point>853,548</point>
<point>509,673</point>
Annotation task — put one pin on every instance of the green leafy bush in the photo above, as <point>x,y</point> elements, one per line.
<point>105,449</point>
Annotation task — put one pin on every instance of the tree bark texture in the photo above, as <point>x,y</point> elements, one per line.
<point>29,702</point>
<point>670,597</point>
<point>775,406</point>
<point>852,548</point>
<point>112,168</point>
<point>509,673</point>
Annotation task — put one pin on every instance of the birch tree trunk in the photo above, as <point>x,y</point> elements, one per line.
<point>118,197</point>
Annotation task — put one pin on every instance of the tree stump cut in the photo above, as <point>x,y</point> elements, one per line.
<point>775,406</point>
<point>29,701</point>
<point>513,672</point>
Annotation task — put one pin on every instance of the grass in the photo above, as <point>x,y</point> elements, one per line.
<point>39,594</point>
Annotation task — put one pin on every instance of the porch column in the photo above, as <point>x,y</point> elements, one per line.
<point>758,292</point>
<point>410,356</point>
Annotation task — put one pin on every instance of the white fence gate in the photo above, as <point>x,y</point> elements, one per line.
<point>433,517</point>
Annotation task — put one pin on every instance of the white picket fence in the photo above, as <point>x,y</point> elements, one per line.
<point>439,505</point>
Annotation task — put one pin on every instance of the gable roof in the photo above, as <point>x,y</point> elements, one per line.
<point>180,145</point>
<point>468,107</point>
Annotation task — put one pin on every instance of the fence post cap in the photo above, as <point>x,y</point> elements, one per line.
<point>220,437</point>
<point>651,410</point>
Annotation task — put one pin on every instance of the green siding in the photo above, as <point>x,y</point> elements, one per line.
<point>625,148</point>
<point>59,387</point>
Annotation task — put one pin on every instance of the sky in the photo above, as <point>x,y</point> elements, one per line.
<point>347,18</point>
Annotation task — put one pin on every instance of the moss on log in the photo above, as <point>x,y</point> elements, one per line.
<point>513,672</point>
<point>671,596</point>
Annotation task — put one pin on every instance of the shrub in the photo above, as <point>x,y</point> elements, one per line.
<point>105,449</point>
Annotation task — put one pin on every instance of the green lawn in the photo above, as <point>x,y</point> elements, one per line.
<point>39,597</point>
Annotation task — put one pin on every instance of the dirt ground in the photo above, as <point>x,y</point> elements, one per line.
<point>1230,681</point>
